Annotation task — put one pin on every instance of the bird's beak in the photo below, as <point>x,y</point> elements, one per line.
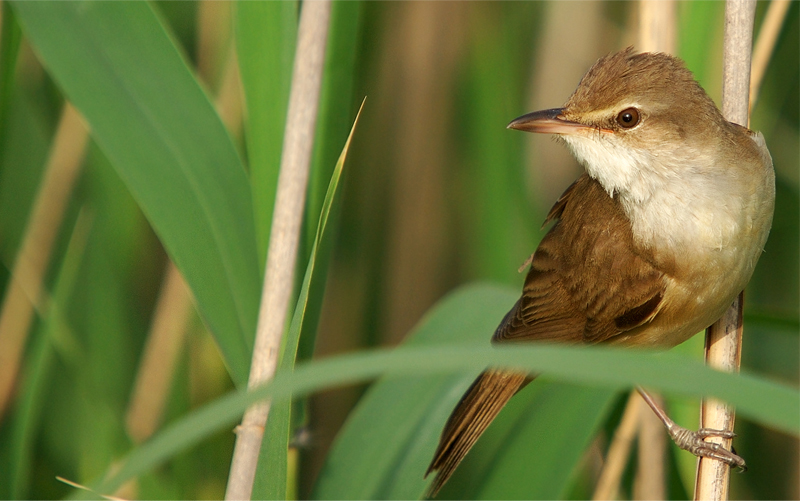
<point>547,122</point>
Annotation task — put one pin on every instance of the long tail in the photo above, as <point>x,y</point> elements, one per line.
<point>473,414</point>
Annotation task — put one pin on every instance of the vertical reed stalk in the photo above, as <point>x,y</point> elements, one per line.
<point>620,449</point>
<point>159,357</point>
<point>284,236</point>
<point>724,337</point>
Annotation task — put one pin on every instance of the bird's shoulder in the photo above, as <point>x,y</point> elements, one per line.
<point>587,282</point>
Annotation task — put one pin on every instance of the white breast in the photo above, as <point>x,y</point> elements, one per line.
<point>711,220</point>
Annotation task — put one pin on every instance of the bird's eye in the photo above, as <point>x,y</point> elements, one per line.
<point>628,118</point>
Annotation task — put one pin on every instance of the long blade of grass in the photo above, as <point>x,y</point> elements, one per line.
<point>10,37</point>
<point>333,126</point>
<point>266,34</point>
<point>388,440</point>
<point>773,404</point>
<point>271,481</point>
<point>154,122</point>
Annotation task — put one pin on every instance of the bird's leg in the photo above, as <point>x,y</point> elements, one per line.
<point>694,441</point>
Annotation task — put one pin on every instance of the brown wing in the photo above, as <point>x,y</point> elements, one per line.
<point>590,243</point>
<point>587,281</point>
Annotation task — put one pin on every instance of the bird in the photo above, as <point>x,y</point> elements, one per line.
<point>650,245</point>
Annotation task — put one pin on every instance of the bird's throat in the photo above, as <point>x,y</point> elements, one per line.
<point>672,208</point>
<point>618,169</point>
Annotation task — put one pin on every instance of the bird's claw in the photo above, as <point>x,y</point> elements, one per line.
<point>694,442</point>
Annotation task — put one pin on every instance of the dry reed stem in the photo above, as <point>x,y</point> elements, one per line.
<point>229,99</point>
<point>723,351</point>
<point>433,36</point>
<point>657,26</point>
<point>284,236</point>
<point>765,44</point>
<point>650,481</point>
<point>161,351</point>
<point>620,449</point>
<point>25,286</point>
<point>213,24</point>
<point>724,337</point>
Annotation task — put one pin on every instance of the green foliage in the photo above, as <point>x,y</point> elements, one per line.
<point>436,193</point>
<point>159,130</point>
<point>385,463</point>
<point>265,38</point>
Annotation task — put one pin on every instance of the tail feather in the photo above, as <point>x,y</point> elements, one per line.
<point>473,414</point>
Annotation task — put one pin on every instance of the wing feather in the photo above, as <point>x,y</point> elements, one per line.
<point>588,281</point>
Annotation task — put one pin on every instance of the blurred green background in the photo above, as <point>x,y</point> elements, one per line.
<point>436,194</point>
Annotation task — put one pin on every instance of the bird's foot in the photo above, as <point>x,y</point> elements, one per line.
<point>694,442</point>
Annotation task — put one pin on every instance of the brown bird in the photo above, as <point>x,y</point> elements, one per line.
<point>648,247</point>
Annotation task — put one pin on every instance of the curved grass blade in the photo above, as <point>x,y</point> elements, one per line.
<point>151,118</point>
<point>385,445</point>
<point>336,108</point>
<point>389,439</point>
<point>770,403</point>
<point>538,441</point>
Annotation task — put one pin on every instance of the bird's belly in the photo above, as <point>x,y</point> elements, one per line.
<point>694,299</point>
<point>712,255</point>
